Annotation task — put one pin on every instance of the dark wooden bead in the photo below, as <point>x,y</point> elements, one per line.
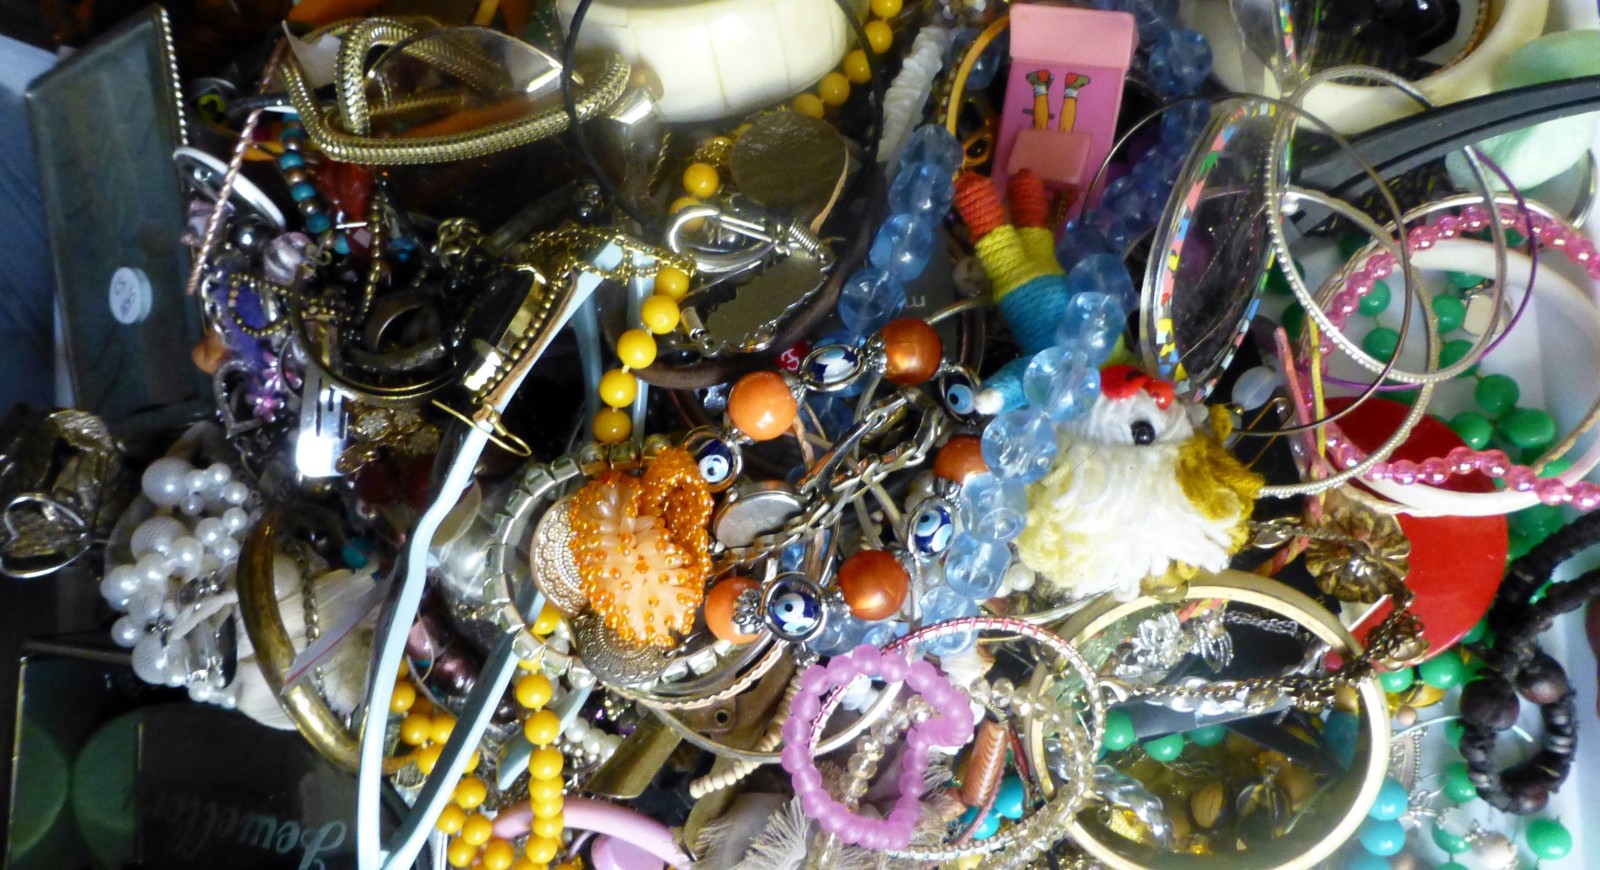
<point>1542,681</point>
<point>1479,753</point>
<point>1529,800</point>
<point>1490,703</point>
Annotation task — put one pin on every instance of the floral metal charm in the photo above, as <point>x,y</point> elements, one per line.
<point>1357,554</point>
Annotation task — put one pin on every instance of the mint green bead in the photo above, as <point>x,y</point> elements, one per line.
<point>1458,785</point>
<point>1443,671</point>
<point>1538,522</point>
<point>1381,343</point>
<point>1450,311</point>
<point>1449,842</point>
<point>1209,735</point>
<point>1455,351</point>
<point>1474,429</point>
<point>1497,394</point>
<point>1397,681</point>
<point>1293,320</point>
<point>1166,748</point>
<point>1119,731</point>
<point>1549,839</point>
<point>1529,428</point>
<point>1463,280</point>
<point>1556,466</point>
<point>1374,303</point>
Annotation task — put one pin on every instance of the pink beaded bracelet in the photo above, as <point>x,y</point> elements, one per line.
<point>950,726</point>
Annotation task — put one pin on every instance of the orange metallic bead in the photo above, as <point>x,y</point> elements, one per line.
<point>960,458</point>
<point>912,351</point>
<point>761,405</point>
<point>874,584</point>
<point>720,604</point>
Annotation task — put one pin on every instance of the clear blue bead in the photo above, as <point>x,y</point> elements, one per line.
<point>1020,445</point>
<point>934,145</point>
<point>1120,230</point>
<point>1392,801</point>
<point>1182,124</point>
<point>942,604</point>
<point>1255,387</point>
<point>319,223</point>
<point>302,191</point>
<point>903,246</point>
<point>974,567</point>
<point>871,298</point>
<point>921,189</point>
<point>1009,800</point>
<point>1180,61</point>
<point>1153,194</point>
<point>952,644</point>
<point>1382,837</point>
<point>1102,273</point>
<point>1061,382</point>
<point>1152,20</point>
<point>1079,240</point>
<point>841,633</point>
<point>880,633</point>
<point>1120,196</point>
<point>1365,861</point>
<point>993,509</point>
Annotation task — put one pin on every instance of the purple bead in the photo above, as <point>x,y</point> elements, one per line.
<point>815,679</point>
<point>794,755</point>
<point>806,708</point>
<point>893,668</point>
<point>911,781</point>
<point>807,779</point>
<point>868,658</point>
<point>814,803</point>
<point>284,256</point>
<point>922,675</point>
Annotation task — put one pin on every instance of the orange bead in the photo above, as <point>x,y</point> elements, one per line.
<point>672,283</point>
<point>527,864</point>
<point>660,314</point>
<point>761,405</point>
<point>874,584</point>
<point>450,819</point>
<point>960,458</point>
<point>720,603</point>
<point>612,426</point>
<point>636,348</point>
<point>414,729</point>
<point>912,351</point>
<point>701,180</point>
<point>618,388</point>
<point>471,792</point>
<point>879,36</point>
<point>534,691</point>
<point>542,728</point>
<point>404,696</point>
<point>498,855</point>
<point>549,827</point>
<point>856,68</point>
<point>834,89</point>
<point>477,829</point>
<point>461,854</point>
<point>886,8</point>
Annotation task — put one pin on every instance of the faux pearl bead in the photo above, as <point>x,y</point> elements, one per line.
<point>218,474</point>
<point>120,583</point>
<point>195,481</point>
<point>125,632</point>
<point>163,481</point>
<point>210,532</point>
<point>185,557</point>
<point>227,550</point>
<point>235,493</point>
<point>152,569</point>
<point>150,660</point>
<point>193,504</point>
<point>236,520</point>
<point>155,534</point>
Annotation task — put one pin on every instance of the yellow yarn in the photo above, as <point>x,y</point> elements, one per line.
<point>1039,244</point>
<point>1007,261</point>
<point>1218,485</point>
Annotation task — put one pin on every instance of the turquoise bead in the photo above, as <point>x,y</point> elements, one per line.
<point>1451,865</point>
<point>1341,733</point>
<point>1166,748</point>
<point>1529,428</point>
<point>1119,731</point>
<point>291,160</point>
<point>1497,394</point>
<point>1443,671</point>
<point>1458,785</point>
<point>302,191</point>
<point>1451,313</point>
<point>1383,837</point>
<point>1008,800</point>
<point>1381,343</point>
<point>319,223</point>
<point>1365,861</point>
<point>1549,839</point>
<point>1474,429</point>
<point>1209,735</point>
<point>1397,680</point>
<point>988,828</point>
<point>1391,802</point>
<point>1449,842</point>
<point>1374,303</point>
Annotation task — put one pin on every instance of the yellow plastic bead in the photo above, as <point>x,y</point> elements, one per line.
<point>498,855</point>
<point>428,756</point>
<point>534,691</point>
<point>618,388</point>
<point>477,829</point>
<point>440,726</point>
<point>542,849</point>
<point>404,696</point>
<point>414,729</point>
<point>525,864</point>
<point>660,314</point>
<point>543,790</point>
<point>404,669</point>
<point>550,827</point>
<point>473,759</point>
<point>546,763</point>
<point>450,819</point>
<point>683,202</point>
<point>702,180</point>
<point>879,36</point>
<point>856,68</point>
<point>886,8</point>
<point>809,104</point>
<point>421,707</point>
<point>549,618</point>
<point>542,728</point>
<point>612,425</point>
<point>461,854</point>
<point>834,89</point>
<point>547,809</point>
<point>471,793</point>
<point>636,348</point>
<point>672,283</point>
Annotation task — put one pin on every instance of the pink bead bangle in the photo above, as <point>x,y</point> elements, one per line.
<point>950,726</point>
<point>1463,461</point>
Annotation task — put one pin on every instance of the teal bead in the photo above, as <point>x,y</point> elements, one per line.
<point>1463,280</point>
<point>1455,351</point>
<point>1119,731</point>
<point>1293,320</point>
<point>1341,733</point>
<point>1497,394</point>
<point>989,827</point>
<point>1529,428</point>
<point>1474,429</point>
<point>319,223</point>
<point>1277,283</point>
<point>1538,522</point>
<point>1476,633</point>
<point>1449,842</point>
<point>1458,785</point>
<point>302,191</point>
<point>1383,837</point>
<point>1392,801</point>
<point>1365,861</point>
<point>1381,343</point>
<point>1008,801</point>
<point>1443,671</point>
<point>1450,311</point>
<point>1374,303</point>
<point>1166,748</point>
<point>1209,735</point>
<point>1549,839</point>
<point>1398,680</point>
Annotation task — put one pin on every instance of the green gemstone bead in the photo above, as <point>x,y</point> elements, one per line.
<point>1463,280</point>
<point>1458,785</point>
<point>1210,735</point>
<point>1549,839</point>
<point>1497,394</point>
<point>1473,429</point>
<point>1452,312</point>
<point>1381,343</point>
<point>1351,243</point>
<point>1397,681</point>
<point>1529,428</point>
<point>1293,320</point>
<point>1538,522</point>
<point>1443,671</point>
<point>1476,633</point>
<point>1453,352</point>
<point>1556,467</point>
<point>1278,283</point>
<point>1119,731</point>
<point>1374,303</point>
<point>1449,842</point>
<point>1166,748</point>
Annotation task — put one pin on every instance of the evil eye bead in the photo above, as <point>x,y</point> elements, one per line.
<point>958,390</point>
<point>931,528</point>
<point>793,608</point>
<point>831,367</point>
<point>718,459</point>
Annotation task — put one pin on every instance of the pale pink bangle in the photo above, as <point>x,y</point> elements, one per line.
<point>583,814</point>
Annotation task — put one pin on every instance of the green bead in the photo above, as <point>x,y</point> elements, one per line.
<point>1351,243</point>
<point>1538,522</point>
<point>1443,670</point>
<point>1549,839</point>
<point>1452,312</point>
<point>1404,397</point>
<point>1497,394</point>
<point>1463,280</point>
<point>1397,681</point>
<point>1556,466</point>
<point>1119,731</point>
<point>1453,731</point>
<point>1518,544</point>
<point>1381,343</point>
<point>1473,429</point>
<point>1449,842</point>
<point>1515,238</point>
<point>1529,428</point>
<point>1278,283</point>
<point>1374,303</point>
<point>1476,633</point>
<point>1451,865</point>
<point>1455,351</point>
<point>1458,785</point>
<point>1166,748</point>
<point>1293,320</point>
<point>1210,735</point>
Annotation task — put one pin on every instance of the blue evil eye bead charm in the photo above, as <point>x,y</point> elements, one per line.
<point>718,458</point>
<point>794,609</point>
<point>931,527</point>
<point>958,391</point>
<point>831,367</point>
<point>1020,445</point>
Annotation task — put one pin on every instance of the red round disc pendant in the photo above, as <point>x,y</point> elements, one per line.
<point>1456,562</point>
